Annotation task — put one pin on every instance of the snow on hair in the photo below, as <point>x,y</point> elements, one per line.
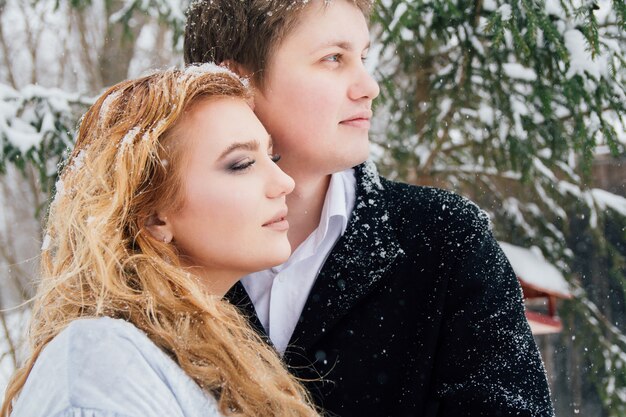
<point>98,260</point>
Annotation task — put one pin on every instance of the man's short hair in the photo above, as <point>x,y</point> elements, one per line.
<point>243,31</point>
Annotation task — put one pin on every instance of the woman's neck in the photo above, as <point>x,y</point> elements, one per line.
<point>305,205</point>
<point>213,281</point>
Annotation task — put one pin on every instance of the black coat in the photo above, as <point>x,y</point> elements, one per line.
<point>416,312</point>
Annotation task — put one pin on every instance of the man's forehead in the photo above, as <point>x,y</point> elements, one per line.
<point>348,45</point>
<point>337,24</point>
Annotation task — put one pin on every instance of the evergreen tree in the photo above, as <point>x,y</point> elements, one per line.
<point>36,129</point>
<point>507,103</point>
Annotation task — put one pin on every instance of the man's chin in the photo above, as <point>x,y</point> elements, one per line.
<point>360,155</point>
<point>353,162</point>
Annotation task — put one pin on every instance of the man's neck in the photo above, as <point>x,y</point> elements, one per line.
<point>305,207</point>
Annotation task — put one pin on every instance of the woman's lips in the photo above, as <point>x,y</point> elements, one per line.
<point>278,222</point>
<point>279,225</point>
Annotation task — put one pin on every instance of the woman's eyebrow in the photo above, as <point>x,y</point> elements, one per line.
<point>252,145</point>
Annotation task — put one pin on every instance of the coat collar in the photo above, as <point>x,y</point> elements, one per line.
<point>360,258</point>
<point>238,296</point>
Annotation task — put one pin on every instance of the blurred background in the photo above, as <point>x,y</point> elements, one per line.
<point>519,105</point>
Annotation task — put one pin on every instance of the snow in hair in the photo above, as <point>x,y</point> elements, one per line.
<point>196,70</point>
<point>192,70</point>
<point>129,138</point>
<point>104,108</point>
<point>78,160</point>
<point>207,68</point>
<point>189,72</point>
<point>157,129</point>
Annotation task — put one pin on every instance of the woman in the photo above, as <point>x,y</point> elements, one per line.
<point>169,197</point>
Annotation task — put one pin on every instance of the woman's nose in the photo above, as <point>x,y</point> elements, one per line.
<point>281,184</point>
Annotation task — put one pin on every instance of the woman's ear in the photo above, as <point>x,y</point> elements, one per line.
<point>159,227</point>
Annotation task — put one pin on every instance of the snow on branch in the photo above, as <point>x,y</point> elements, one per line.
<point>36,126</point>
<point>606,200</point>
<point>171,12</point>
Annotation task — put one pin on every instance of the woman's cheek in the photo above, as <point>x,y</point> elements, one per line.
<point>236,202</point>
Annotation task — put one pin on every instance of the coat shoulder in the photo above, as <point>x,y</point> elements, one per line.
<point>439,212</point>
<point>432,200</point>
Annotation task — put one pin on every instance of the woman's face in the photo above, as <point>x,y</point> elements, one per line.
<point>232,221</point>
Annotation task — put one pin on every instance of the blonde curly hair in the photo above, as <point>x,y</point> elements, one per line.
<point>99,260</point>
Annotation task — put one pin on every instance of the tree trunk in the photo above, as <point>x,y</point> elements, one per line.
<point>119,45</point>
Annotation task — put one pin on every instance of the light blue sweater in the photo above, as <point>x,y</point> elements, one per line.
<point>108,368</point>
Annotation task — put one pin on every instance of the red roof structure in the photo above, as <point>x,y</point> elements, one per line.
<point>542,284</point>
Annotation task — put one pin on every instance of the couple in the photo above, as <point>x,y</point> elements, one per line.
<point>396,300</point>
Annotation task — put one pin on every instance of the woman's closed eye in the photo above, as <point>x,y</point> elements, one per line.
<point>246,163</point>
<point>242,165</point>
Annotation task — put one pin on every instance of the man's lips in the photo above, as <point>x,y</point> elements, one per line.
<point>359,120</point>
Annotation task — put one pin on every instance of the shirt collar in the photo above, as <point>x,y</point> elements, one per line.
<point>338,204</point>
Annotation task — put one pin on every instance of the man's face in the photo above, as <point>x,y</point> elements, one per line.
<point>317,97</point>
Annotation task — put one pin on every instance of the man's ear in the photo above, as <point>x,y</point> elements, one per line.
<point>237,68</point>
<point>159,227</point>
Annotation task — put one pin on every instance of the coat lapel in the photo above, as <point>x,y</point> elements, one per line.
<point>238,296</point>
<point>360,258</point>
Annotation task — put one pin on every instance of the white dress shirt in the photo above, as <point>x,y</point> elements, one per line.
<point>279,293</point>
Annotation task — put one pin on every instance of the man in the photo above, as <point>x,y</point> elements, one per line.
<point>397,300</point>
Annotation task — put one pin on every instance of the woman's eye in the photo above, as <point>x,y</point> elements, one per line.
<point>275,157</point>
<point>242,165</point>
<point>333,58</point>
